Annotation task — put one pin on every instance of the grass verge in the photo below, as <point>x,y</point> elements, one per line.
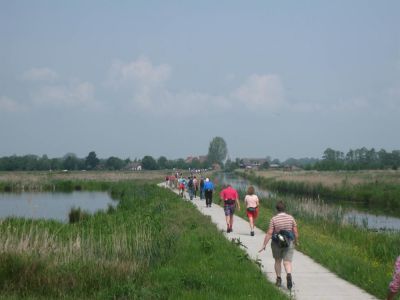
<point>153,246</point>
<point>357,255</point>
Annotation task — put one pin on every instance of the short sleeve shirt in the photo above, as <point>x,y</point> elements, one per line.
<point>251,200</point>
<point>229,194</point>
<point>282,221</point>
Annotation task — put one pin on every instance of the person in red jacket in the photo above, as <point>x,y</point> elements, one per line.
<point>230,197</point>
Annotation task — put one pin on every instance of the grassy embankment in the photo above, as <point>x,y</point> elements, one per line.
<point>378,190</point>
<point>152,246</point>
<point>360,256</point>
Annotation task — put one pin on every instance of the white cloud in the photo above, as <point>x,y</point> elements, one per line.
<point>149,92</point>
<point>261,92</point>
<point>140,72</point>
<point>39,74</point>
<point>75,94</point>
<point>9,105</point>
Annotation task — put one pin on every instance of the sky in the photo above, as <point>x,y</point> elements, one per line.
<point>162,78</point>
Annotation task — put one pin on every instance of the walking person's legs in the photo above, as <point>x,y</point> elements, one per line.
<point>231,221</point>
<point>278,271</point>
<point>228,226</point>
<point>251,222</point>
<point>208,196</point>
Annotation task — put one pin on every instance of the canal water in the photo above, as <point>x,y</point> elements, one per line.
<point>351,214</point>
<point>50,205</point>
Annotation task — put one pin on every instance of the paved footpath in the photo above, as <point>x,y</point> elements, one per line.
<point>311,281</point>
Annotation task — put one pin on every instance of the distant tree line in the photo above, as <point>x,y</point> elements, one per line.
<point>358,159</point>
<point>71,162</point>
<point>217,153</point>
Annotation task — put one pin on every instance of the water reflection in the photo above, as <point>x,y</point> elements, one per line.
<point>51,205</point>
<point>350,215</point>
<point>241,184</point>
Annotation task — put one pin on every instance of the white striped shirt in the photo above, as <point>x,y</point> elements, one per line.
<point>282,221</point>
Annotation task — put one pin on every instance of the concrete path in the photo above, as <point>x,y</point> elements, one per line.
<point>311,281</point>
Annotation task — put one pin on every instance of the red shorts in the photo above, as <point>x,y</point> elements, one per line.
<point>181,186</point>
<point>253,214</point>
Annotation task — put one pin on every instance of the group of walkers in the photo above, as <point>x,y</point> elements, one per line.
<point>282,229</point>
<point>281,226</point>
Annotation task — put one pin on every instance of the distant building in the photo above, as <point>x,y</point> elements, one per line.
<point>134,166</point>
<point>252,163</point>
<point>274,166</point>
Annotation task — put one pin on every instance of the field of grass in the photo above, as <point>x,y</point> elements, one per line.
<point>333,179</point>
<point>362,257</point>
<point>152,246</point>
<point>46,180</point>
<point>378,190</point>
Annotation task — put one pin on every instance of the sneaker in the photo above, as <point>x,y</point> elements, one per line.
<point>278,282</point>
<point>252,233</point>
<point>289,281</point>
<point>228,229</point>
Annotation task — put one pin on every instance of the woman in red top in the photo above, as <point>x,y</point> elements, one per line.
<point>230,197</point>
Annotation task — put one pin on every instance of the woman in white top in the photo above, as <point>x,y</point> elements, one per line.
<point>252,203</point>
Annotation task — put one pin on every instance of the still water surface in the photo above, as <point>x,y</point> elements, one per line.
<point>351,215</point>
<point>51,205</point>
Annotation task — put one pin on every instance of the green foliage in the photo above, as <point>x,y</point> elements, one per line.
<point>152,246</point>
<point>149,163</point>
<point>91,161</point>
<point>77,215</point>
<point>114,163</point>
<point>360,256</point>
<point>380,196</point>
<point>217,151</point>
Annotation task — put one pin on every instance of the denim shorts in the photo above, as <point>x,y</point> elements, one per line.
<point>229,209</point>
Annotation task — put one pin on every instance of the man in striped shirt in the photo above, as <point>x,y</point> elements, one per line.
<point>286,225</point>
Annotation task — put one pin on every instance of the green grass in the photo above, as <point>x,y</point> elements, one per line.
<point>378,195</point>
<point>152,246</point>
<point>360,256</point>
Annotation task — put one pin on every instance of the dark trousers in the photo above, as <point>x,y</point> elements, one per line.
<point>208,195</point>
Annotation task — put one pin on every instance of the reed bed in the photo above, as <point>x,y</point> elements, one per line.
<point>332,179</point>
<point>152,246</point>
<point>381,195</point>
<point>361,256</point>
<point>45,181</point>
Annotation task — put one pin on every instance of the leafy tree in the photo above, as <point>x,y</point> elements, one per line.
<point>265,165</point>
<point>91,161</point>
<point>149,163</point>
<point>114,163</point>
<point>162,162</point>
<point>71,162</point>
<point>217,151</point>
<point>230,165</point>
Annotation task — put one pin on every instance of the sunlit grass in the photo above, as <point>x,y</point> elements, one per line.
<point>356,254</point>
<point>152,246</point>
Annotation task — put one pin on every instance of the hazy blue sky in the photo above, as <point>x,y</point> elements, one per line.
<point>133,78</point>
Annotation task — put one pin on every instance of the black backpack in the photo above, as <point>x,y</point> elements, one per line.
<point>190,183</point>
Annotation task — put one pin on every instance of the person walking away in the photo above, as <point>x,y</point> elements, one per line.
<point>190,187</point>
<point>252,202</point>
<point>196,186</point>
<point>208,191</point>
<point>172,181</point>
<point>181,185</point>
<point>201,188</point>
<point>167,181</point>
<point>394,285</point>
<point>230,197</point>
<point>283,232</point>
